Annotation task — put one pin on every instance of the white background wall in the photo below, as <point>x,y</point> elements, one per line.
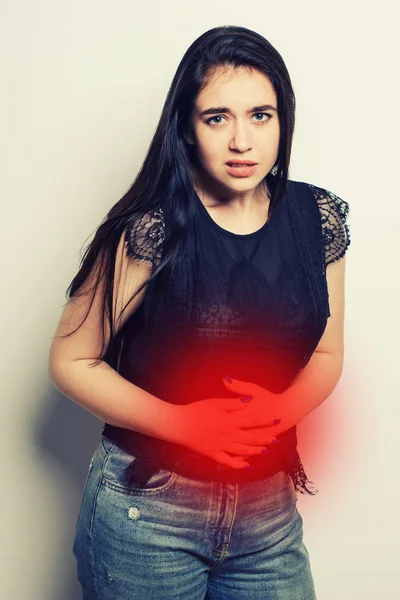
<point>83,84</point>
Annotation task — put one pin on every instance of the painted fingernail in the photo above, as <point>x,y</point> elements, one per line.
<point>229,380</point>
<point>264,451</point>
<point>246,398</point>
<point>275,441</point>
<point>276,421</point>
<point>247,467</point>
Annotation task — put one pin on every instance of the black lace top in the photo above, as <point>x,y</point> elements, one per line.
<point>251,306</point>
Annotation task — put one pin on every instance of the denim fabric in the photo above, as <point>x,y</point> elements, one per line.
<point>180,538</point>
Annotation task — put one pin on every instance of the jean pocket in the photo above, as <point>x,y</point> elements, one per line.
<point>117,460</point>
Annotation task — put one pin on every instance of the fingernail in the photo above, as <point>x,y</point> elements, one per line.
<point>246,398</point>
<point>275,441</point>
<point>276,421</point>
<point>247,467</point>
<point>264,451</point>
<point>228,379</point>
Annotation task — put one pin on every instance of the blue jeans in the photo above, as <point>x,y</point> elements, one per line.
<point>179,538</point>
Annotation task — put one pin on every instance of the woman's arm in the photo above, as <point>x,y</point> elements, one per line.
<point>317,380</point>
<point>115,400</point>
<point>100,389</point>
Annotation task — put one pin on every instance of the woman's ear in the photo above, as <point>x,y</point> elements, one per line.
<point>188,135</point>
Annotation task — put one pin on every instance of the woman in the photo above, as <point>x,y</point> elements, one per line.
<point>217,326</point>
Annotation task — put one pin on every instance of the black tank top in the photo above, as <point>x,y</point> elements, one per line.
<point>251,306</point>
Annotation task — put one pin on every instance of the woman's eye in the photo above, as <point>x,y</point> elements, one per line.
<point>212,118</point>
<point>260,113</point>
<point>265,114</point>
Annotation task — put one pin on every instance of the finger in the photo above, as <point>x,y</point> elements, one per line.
<point>231,404</point>
<point>243,450</point>
<point>252,421</point>
<point>253,438</point>
<point>239,387</point>
<point>229,461</point>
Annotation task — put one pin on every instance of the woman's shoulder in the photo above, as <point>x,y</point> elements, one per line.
<point>334,213</point>
<point>321,195</point>
<point>145,235</point>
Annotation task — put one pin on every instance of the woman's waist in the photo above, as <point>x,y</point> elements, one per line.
<point>186,381</point>
<point>158,453</point>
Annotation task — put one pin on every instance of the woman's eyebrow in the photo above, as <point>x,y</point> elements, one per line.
<point>225,109</point>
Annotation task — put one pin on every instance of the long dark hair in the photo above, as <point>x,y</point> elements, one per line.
<point>167,174</point>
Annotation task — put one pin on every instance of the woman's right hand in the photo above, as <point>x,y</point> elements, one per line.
<point>213,428</point>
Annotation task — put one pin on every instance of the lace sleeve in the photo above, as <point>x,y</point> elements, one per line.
<point>145,236</point>
<point>334,213</point>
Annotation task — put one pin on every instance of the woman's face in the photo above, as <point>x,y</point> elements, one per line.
<point>238,133</point>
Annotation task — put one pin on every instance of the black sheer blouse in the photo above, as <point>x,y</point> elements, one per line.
<point>251,306</point>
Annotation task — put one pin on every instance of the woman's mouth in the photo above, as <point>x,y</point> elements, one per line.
<point>241,170</point>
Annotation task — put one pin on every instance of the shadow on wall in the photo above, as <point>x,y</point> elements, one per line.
<point>66,437</point>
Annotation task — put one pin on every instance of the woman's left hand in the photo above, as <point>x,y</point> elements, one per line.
<point>263,404</point>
